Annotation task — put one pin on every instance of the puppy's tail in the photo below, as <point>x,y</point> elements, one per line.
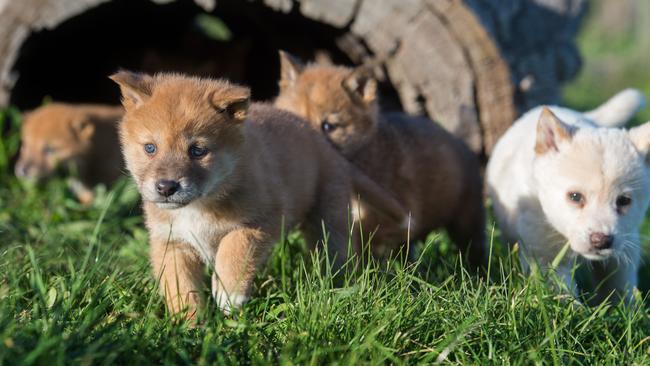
<point>377,197</point>
<point>619,109</point>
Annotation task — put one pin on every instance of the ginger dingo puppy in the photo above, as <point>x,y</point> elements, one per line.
<point>432,173</point>
<point>80,139</point>
<point>220,177</point>
<point>559,176</point>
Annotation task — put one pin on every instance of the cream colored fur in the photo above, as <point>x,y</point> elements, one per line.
<point>548,156</point>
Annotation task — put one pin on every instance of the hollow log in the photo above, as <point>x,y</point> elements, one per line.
<point>470,65</point>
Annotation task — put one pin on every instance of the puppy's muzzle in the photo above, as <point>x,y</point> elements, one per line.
<point>22,170</point>
<point>30,171</point>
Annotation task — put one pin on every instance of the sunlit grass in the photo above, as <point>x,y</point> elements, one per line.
<point>75,287</point>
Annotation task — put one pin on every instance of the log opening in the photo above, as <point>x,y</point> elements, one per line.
<point>444,60</point>
<point>71,61</point>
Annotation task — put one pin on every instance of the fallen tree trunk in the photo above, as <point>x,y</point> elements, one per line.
<point>470,65</point>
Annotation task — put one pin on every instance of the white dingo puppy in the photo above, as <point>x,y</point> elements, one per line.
<point>559,176</point>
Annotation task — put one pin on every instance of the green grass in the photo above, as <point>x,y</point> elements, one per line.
<point>75,288</point>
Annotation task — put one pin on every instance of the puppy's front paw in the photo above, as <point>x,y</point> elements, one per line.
<point>84,194</point>
<point>229,302</point>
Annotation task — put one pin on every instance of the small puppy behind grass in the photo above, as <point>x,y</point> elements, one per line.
<point>219,180</point>
<point>432,173</point>
<point>79,139</point>
<point>558,176</point>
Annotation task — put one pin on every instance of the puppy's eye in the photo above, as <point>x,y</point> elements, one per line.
<point>577,198</point>
<point>197,152</point>
<point>327,127</point>
<point>150,149</point>
<point>623,201</point>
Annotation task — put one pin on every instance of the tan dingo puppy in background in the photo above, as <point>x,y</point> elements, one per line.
<point>81,139</point>
<point>432,173</point>
<point>558,176</point>
<point>220,178</point>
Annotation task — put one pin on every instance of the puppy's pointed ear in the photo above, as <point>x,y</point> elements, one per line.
<point>551,132</point>
<point>640,137</point>
<point>360,87</point>
<point>136,87</point>
<point>84,129</point>
<point>233,100</point>
<point>290,70</point>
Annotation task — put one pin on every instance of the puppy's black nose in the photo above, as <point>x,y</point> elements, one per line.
<point>167,187</point>
<point>601,241</point>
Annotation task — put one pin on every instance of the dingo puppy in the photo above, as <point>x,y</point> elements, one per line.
<point>432,173</point>
<point>81,139</point>
<point>556,176</point>
<point>219,179</point>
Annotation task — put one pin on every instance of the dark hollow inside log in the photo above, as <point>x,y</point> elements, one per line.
<point>71,62</point>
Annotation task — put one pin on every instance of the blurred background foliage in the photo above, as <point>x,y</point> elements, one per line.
<point>615,46</point>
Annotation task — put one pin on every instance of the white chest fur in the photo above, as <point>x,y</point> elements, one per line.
<point>193,226</point>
